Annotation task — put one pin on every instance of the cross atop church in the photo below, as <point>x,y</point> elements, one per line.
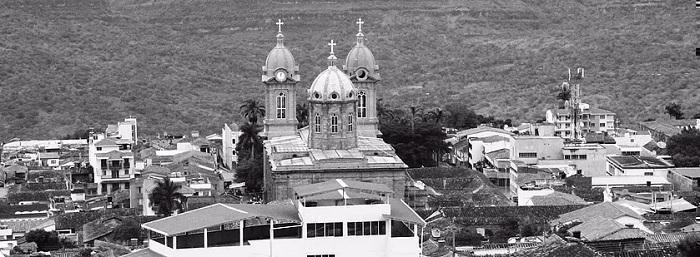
<point>279,25</point>
<point>359,23</point>
<point>332,44</point>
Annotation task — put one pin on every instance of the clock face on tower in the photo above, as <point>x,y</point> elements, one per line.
<point>280,75</point>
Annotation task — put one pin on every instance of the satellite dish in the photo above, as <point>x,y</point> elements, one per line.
<point>435,232</point>
<point>550,116</point>
<point>661,144</point>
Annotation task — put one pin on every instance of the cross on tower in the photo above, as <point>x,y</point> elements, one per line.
<point>359,23</point>
<point>279,25</point>
<point>332,44</point>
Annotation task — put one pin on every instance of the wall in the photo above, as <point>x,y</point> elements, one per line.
<point>680,182</point>
<point>547,148</point>
<point>283,183</point>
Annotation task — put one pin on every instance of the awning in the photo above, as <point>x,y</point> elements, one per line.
<point>401,212</point>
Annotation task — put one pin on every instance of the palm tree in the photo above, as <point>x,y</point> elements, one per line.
<point>438,114</point>
<point>303,115</point>
<point>252,110</point>
<point>165,198</point>
<point>384,111</point>
<point>415,111</point>
<point>249,138</point>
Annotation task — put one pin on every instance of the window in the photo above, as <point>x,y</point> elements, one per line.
<point>334,123</point>
<point>324,229</point>
<point>367,228</point>
<point>602,125</point>
<point>127,165</point>
<point>350,122</point>
<point>99,148</point>
<point>281,105</point>
<point>527,155</point>
<point>317,123</point>
<point>567,157</point>
<point>321,255</point>
<point>648,173</point>
<point>103,164</point>
<point>362,105</point>
<point>139,188</point>
<point>582,157</point>
<point>127,186</point>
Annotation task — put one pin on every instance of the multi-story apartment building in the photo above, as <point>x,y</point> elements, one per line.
<point>336,218</point>
<point>111,156</point>
<point>591,120</point>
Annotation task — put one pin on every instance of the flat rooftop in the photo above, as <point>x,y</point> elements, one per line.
<point>639,162</point>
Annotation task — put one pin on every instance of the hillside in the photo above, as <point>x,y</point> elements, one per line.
<point>180,65</point>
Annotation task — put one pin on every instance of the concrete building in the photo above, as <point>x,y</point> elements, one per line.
<point>229,137</point>
<point>637,166</point>
<point>585,159</point>
<point>684,179</point>
<point>662,130</point>
<point>111,156</point>
<point>473,145</point>
<point>531,149</point>
<point>592,120</point>
<point>339,218</point>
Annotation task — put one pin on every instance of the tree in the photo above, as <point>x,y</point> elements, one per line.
<point>129,229</point>
<point>684,148</point>
<point>165,198</point>
<point>690,245</point>
<point>302,115</point>
<point>460,116</point>
<point>252,110</point>
<point>250,142</point>
<point>420,146</point>
<point>564,95</point>
<point>45,241</point>
<point>251,172</point>
<point>437,115</point>
<point>696,116</point>
<point>674,110</point>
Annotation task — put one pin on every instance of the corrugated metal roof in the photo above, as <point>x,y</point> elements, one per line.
<point>218,214</point>
<point>335,184</point>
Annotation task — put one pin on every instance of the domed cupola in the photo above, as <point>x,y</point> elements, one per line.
<point>332,85</point>
<point>332,109</point>
<point>280,64</point>
<point>360,64</point>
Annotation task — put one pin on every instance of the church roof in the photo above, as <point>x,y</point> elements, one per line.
<point>293,153</point>
<point>280,58</point>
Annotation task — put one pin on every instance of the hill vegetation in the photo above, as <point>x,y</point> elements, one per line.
<point>180,65</point>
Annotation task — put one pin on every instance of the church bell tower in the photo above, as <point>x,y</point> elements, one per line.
<point>364,74</point>
<point>280,76</point>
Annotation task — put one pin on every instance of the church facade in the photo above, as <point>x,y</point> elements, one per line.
<point>341,140</point>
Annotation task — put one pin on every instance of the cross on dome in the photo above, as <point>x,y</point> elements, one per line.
<point>332,44</point>
<point>332,58</point>
<point>359,23</point>
<point>279,25</point>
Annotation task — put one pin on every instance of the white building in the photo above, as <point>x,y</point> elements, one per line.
<point>591,120</point>
<point>337,218</point>
<point>229,137</point>
<point>111,156</point>
<point>637,166</point>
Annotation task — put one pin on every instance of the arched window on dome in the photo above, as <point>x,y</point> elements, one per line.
<point>362,105</point>
<point>334,123</point>
<point>350,122</point>
<point>317,123</point>
<point>281,107</point>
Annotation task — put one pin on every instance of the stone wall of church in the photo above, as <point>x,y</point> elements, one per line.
<point>283,183</point>
<point>325,139</point>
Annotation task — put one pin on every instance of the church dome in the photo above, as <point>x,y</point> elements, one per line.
<point>332,85</point>
<point>360,57</point>
<point>280,57</point>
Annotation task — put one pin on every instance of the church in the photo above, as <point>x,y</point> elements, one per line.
<point>342,138</point>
